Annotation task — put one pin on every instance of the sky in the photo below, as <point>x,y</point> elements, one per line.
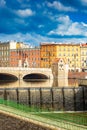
<point>37,21</point>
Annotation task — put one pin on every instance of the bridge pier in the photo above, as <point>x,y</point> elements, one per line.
<point>60,73</point>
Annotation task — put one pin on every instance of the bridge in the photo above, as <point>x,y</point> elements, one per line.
<point>25,73</point>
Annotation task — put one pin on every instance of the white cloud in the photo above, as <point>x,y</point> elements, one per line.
<point>84,24</point>
<point>25,13</point>
<point>2,3</point>
<point>84,2</point>
<point>59,6</point>
<point>67,27</point>
<point>35,39</point>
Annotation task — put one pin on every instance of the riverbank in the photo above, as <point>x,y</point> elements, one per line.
<point>16,119</point>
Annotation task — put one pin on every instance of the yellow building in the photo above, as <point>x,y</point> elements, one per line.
<point>84,56</point>
<point>69,52</point>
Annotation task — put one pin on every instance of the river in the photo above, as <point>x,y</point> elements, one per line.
<point>40,83</point>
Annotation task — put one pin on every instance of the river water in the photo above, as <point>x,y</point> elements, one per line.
<point>40,83</point>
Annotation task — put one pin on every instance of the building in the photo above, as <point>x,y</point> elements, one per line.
<point>84,56</point>
<point>48,52</point>
<point>25,57</point>
<point>21,45</point>
<point>34,57</point>
<point>14,58</point>
<point>18,54</point>
<point>69,52</point>
<point>5,52</point>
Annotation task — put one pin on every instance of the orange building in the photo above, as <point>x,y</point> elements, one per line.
<point>25,57</point>
<point>48,52</point>
<point>34,58</point>
<point>14,58</point>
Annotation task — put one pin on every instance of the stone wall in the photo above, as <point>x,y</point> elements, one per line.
<point>10,122</point>
<point>68,99</point>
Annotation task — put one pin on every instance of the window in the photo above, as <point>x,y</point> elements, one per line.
<point>82,64</point>
<point>59,49</point>
<point>68,49</point>
<point>82,53</point>
<point>82,58</point>
<point>76,49</point>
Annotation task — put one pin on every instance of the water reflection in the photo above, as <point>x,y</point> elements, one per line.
<point>73,82</point>
<point>60,82</point>
<point>45,83</point>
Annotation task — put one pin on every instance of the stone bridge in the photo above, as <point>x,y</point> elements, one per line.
<point>21,73</point>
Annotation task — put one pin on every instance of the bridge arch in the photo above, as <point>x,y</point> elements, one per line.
<point>7,77</point>
<point>38,76</point>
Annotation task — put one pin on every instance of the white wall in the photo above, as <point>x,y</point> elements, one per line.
<point>12,44</point>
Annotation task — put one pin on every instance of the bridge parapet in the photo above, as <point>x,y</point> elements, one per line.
<point>20,72</point>
<point>22,68</point>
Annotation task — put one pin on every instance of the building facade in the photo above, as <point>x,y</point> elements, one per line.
<point>48,52</point>
<point>34,57</point>
<point>20,45</point>
<point>69,52</point>
<point>25,57</point>
<point>18,54</point>
<point>84,56</point>
<point>5,48</point>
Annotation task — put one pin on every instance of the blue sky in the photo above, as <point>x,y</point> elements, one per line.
<point>36,21</point>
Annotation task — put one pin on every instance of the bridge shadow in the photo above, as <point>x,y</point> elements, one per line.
<point>6,78</point>
<point>35,77</point>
